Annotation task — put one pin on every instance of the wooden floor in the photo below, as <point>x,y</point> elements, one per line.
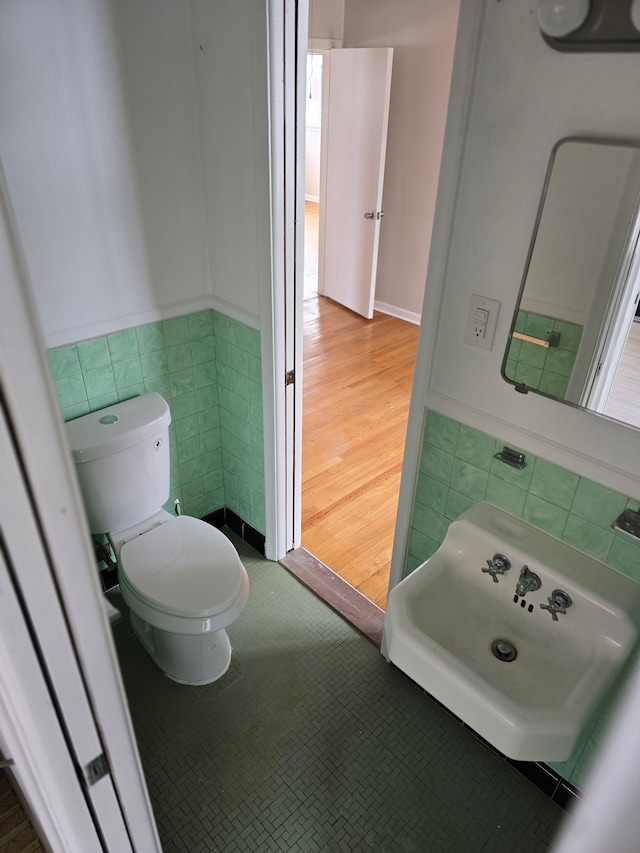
<point>357,386</point>
<point>17,834</point>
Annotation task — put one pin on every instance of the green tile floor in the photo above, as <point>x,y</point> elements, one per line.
<point>312,742</point>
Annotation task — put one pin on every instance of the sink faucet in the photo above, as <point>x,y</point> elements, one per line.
<point>559,601</point>
<point>527,582</point>
<point>497,566</point>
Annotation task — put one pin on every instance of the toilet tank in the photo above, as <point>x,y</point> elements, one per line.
<point>121,455</point>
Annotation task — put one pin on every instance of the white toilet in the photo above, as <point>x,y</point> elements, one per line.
<point>181,578</point>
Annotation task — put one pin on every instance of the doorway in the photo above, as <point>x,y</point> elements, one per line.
<point>623,402</point>
<point>357,377</point>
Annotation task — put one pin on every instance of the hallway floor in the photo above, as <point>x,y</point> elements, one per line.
<point>357,389</point>
<point>312,742</point>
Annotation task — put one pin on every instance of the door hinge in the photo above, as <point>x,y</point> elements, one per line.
<point>289,377</point>
<point>96,769</point>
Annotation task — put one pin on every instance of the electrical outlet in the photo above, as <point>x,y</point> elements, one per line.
<point>482,320</point>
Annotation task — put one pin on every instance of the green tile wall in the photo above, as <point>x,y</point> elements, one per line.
<point>546,369</point>
<point>240,396</point>
<point>207,367</point>
<point>458,469</point>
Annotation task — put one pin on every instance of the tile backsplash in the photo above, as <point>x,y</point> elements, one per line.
<point>546,369</point>
<point>458,469</point>
<point>207,366</point>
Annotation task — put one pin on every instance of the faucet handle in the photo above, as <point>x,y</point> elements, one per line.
<point>559,602</point>
<point>497,566</point>
<point>491,570</point>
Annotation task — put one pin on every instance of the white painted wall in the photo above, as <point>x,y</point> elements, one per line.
<point>230,65</point>
<point>134,140</point>
<point>98,141</point>
<point>422,33</point>
<point>326,19</point>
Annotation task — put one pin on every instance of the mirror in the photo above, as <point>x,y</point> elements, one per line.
<point>573,333</point>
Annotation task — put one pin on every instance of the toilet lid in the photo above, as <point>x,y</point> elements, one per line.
<point>184,566</point>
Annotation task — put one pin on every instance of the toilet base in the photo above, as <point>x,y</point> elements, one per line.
<point>191,659</point>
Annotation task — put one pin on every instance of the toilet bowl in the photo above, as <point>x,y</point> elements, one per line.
<point>181,578</point>
<point>184,584</point>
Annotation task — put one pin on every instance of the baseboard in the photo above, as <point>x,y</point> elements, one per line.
<point>109,579</point>
<point>315,198</point>
<point>399,313</point>
<point>225,517</point>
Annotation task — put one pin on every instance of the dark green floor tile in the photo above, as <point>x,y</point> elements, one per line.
<point>312,742</point>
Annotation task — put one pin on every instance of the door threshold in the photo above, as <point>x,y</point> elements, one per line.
<point>345,599</point>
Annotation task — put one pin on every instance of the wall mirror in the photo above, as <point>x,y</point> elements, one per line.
<point>575,335</point>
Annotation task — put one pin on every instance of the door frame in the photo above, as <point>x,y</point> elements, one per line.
<point>282,307</point>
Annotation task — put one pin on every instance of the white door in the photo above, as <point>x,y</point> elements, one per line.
<point>70,736</point>
<point>356,116</point>
<point>31,737</point>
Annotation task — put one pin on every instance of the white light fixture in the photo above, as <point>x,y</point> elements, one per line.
<point>559,18</point>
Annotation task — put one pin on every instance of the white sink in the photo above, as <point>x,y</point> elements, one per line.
<point>442,619</point>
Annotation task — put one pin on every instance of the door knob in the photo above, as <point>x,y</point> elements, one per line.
<point>370,214</point>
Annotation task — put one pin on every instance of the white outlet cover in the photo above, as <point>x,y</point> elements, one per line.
<point>492,306</point>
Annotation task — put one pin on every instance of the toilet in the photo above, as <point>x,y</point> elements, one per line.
<point>181,578</point>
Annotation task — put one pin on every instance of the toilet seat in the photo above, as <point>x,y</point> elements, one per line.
<point>184,567</point>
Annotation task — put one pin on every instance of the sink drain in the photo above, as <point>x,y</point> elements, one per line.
<point>504,650</point>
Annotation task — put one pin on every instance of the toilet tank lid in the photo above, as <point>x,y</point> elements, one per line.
<point>109,430</point>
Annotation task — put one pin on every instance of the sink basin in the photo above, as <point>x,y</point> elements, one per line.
<point>532,693</point>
